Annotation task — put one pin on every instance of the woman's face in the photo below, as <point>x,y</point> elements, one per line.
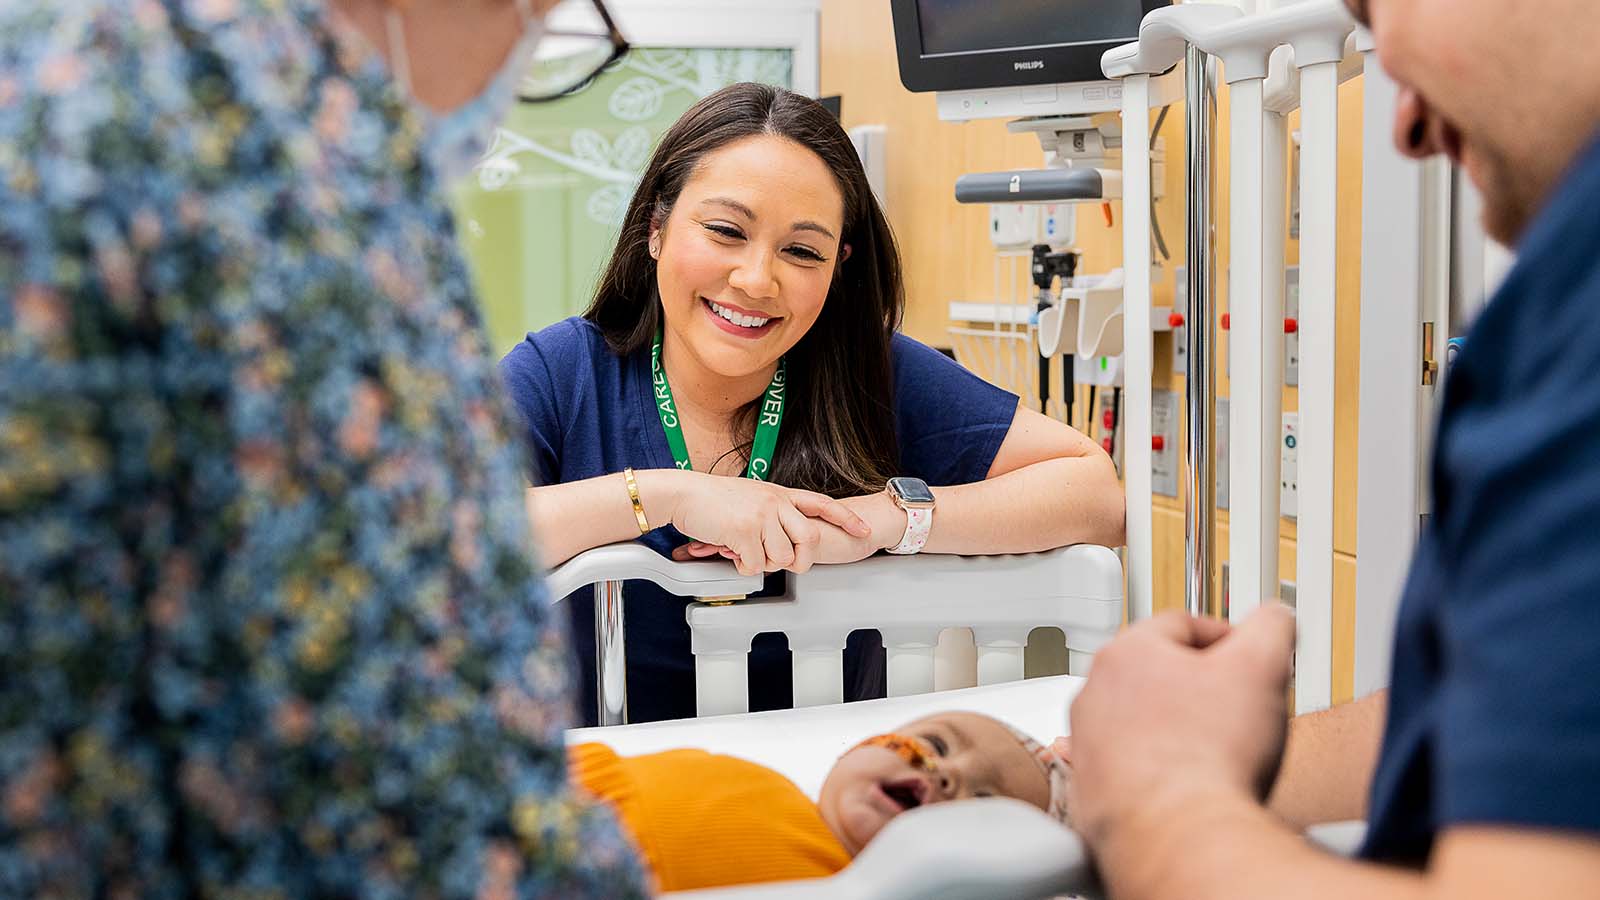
<point>746,256</point>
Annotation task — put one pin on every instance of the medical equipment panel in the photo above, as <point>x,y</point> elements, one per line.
<point>1289,467</point>
<point>1222,453</point>
<point>1164,443</point>
<point>946,45</point>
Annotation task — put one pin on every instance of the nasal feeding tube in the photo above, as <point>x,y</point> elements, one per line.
<point>917,752</point>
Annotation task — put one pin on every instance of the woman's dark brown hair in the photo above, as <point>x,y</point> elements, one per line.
<point>838,433</point>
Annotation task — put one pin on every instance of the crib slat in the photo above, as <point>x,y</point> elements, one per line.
<point>1319,128</point>
<point>1137,343</point>
<point>1249,520</point>
<point>1275,203</point>
<point>721,683</point>
<point>1000,661</point>
<point>908,656</point>
<point>1001,653</point>
<point>818,677</point>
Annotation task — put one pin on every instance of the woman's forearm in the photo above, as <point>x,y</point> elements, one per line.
<point>1052,503</point>
<point>1049,504</point>
<point>570,518</point>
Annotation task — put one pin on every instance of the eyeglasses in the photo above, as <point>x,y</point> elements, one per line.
<point>580,40</point>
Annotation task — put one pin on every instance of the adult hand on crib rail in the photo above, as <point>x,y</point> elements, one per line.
<point>885,523</point>
<point>1176,712</point>
<point>760,527</point>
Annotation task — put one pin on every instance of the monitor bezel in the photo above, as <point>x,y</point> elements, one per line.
<point>993,68</point>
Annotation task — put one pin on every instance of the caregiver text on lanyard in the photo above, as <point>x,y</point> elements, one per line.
<point>767,424</point>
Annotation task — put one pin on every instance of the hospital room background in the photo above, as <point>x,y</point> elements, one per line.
<point>967,266</point>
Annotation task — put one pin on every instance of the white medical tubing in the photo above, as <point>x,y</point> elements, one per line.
<point>1319,129</point>
<point>1138,359</point>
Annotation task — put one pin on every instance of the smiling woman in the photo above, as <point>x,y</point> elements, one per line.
<point>746,325</point>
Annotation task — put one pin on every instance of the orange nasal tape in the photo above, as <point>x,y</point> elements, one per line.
<point>914,750</point>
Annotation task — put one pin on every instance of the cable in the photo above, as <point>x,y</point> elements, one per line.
<point>1068,385</point>
<point>1155,223</point>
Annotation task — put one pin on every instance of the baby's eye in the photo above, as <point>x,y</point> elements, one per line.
<point>939,746</point>
<point>982,794</point>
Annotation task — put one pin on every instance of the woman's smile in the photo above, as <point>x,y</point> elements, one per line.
<point>738,321</point>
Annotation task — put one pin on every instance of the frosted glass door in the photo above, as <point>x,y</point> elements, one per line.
<point>540,214</point>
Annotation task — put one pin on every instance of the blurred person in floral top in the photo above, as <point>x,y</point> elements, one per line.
<point>270,622</point>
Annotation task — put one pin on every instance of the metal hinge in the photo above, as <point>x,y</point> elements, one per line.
<point>1430,366</point>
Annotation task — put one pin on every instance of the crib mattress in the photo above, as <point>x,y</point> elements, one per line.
<point>803,743</point>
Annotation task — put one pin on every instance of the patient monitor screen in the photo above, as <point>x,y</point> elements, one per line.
<point>974,26</point>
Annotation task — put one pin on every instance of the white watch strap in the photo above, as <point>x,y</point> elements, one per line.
<point>919,522</point>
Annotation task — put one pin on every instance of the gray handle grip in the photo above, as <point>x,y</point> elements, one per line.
<point>1030,186</point>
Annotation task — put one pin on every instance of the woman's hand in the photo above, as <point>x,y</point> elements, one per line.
<point>885,522</point>
<point>761,527</point>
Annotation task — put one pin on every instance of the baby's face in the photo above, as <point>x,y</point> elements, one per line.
<point>972,756</point>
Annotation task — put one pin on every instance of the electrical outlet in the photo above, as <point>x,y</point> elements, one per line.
<point>1106,411</point>
<point>1013,225</point>
<point>1100,371</point>
<point>1180,334</point>
<point>1164,449</point>
<point>1058,225</point>
<point>1222,453</point>
<point>1288,467</point>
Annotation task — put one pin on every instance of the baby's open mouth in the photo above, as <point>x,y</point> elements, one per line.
<point>907,793</point>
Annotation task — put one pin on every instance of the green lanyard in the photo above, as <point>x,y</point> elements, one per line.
<point>768,420</point>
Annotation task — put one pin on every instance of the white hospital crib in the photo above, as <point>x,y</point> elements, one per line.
<point>1275,61</point>
<point>909,601</point>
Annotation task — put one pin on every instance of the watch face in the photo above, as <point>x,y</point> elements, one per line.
<point>911,491</point>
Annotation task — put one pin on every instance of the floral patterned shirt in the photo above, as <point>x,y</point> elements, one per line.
<point>270,624</point>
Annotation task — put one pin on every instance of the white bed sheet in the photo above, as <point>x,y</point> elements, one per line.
<point>803,744</point>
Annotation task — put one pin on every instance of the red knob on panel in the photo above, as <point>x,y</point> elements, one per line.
<point>1109,420</point>
<point>1158,443</point>
<point>1106,443</point>
<point>1175,320</point>
<point>1226,321</point>
<point>1290,326</point>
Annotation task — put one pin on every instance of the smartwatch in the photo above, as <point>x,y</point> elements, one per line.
<point>913,496</point>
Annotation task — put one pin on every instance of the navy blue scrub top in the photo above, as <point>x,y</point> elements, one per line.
<point>589,412</point>
<point>1494,711</point>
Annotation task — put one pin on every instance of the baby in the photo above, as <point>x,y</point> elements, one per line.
<point>706,820</point>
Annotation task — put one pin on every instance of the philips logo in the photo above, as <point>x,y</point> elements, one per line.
<point>1028,65</point>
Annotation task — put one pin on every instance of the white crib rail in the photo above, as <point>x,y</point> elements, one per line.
<point>910,600</point>
<point>1316,33</point>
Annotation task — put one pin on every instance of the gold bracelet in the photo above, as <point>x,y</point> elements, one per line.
<point>638,505</point>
